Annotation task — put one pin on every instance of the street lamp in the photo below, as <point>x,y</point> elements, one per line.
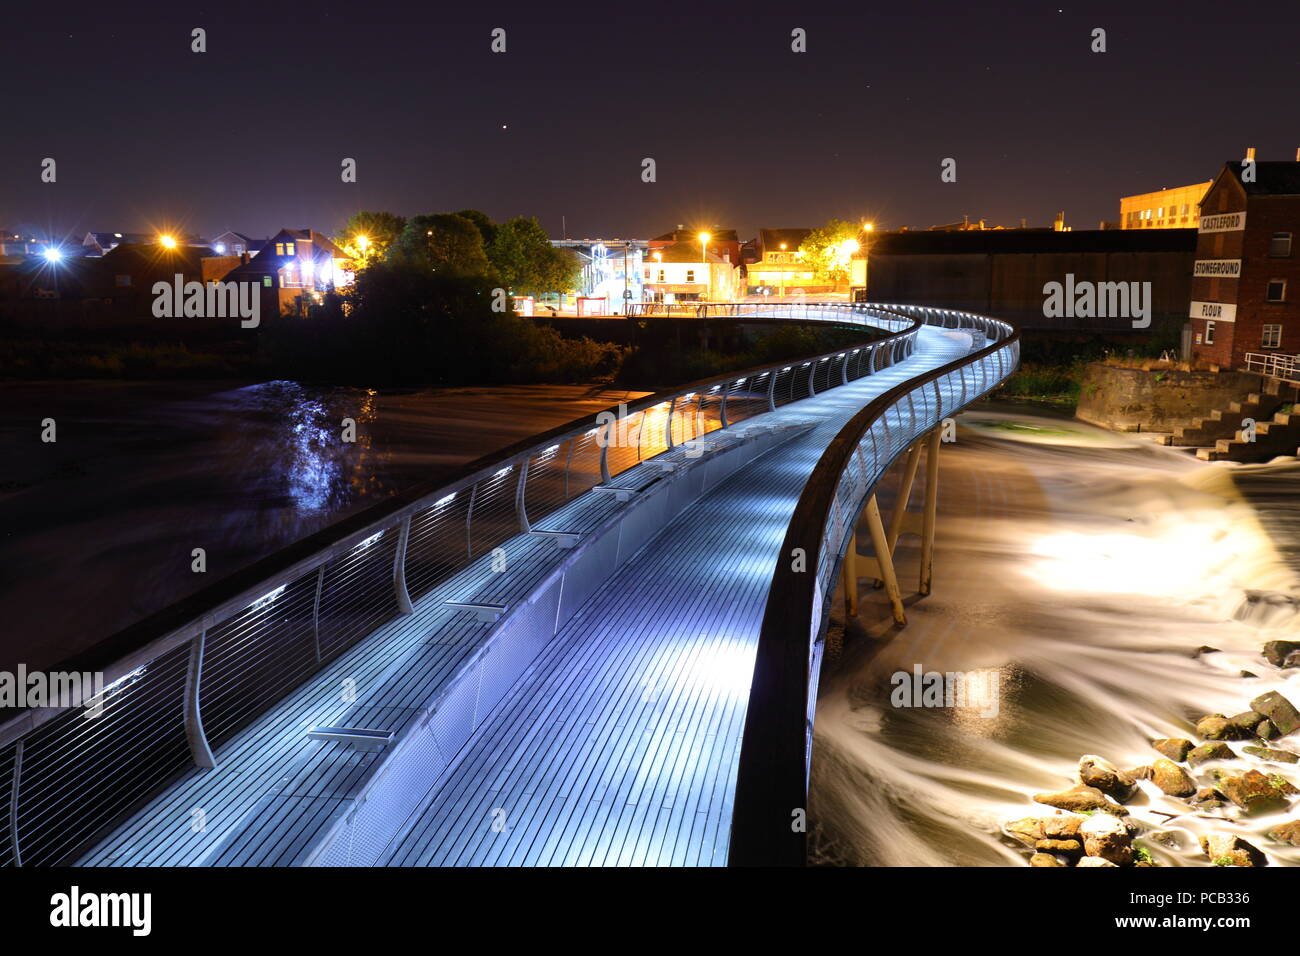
<point>704,238</point>
<point>167,242</point>
<point>782,295</point>
<point>53,255</point>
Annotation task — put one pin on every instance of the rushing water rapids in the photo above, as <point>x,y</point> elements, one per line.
<point>1093,572</point>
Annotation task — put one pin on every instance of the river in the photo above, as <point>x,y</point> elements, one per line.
<point>98,526</point>
<point>1118,590</point>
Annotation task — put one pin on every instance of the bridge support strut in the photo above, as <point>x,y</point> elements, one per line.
<point>885,541</point>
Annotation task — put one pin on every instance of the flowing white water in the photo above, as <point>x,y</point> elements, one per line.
<point>1087,569</point>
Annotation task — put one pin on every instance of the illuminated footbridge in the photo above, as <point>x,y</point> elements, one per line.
<point>599,646</point>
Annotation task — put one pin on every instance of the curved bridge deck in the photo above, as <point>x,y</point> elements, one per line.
<point>617,747</point>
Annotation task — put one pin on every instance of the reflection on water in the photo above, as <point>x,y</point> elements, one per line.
<point>98,527</point>
<point>1121,591</point>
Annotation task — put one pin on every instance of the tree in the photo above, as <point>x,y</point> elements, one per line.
<point>828,250</point>
<point>366,236</point>
<point>527,262</point>
<point>486,227</point>
<point>449,244</point>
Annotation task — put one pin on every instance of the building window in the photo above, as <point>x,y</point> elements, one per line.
<point>288,248</point>
<point>1276,290</point>
<point>279,248</point>
<point>1272,337</point>
<point>266,281</point>
<point>1209,333</point>
<point>661,275</point>
<point>1280,244</point>
<point>647,275</point>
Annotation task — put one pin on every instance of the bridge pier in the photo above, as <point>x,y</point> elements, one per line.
<point>884,541</point>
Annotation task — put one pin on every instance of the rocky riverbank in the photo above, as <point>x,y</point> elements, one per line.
<point>1192,794</point>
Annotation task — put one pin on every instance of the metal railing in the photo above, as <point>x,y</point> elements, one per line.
<point>776,748</point>
<point>713,310</point>
<point>1286,367</point>
<point>186,680</point>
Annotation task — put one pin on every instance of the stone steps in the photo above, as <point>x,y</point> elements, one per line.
<point>1226,423</point>
<point>1280,436</point>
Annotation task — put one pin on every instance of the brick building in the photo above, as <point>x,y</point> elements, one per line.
<point>1247,276</point>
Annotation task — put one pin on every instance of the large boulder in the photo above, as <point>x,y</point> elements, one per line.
<point>1273,754</point>
<point>1094,861</point>
<point>1254,792</point>
<point>1100,773</point>
<point>1288,832</point>
<point>1228,849</point>
<point>1060,847</point>
<point>1214,750</point>
<point>1280,711</point>
<point>1172,779</point>
<point>1219,727</point>
<point>1207,798</point>
<point>1026,831</point>
<point>1175,748</point>
<point>1278,653</point>
<point>1107,837</point>
<point>1061,826</point>
<point>1079,799</point>
<point>1044,859</point>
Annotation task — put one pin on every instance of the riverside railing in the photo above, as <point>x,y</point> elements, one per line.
<point>1285,367</point>
<point>776,749</point>
<point>185,681</point>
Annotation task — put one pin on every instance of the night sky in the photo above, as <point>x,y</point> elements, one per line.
<point>250,135</point>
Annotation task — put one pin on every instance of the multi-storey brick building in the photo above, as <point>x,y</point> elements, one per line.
<point>1246,278</point>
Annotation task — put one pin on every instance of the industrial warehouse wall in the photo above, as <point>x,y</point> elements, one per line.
<point>1010,285</point>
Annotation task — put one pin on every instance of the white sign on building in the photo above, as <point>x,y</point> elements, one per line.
<point>1218,311</point>
<point>1223,222</point>
<point>1217,268</point>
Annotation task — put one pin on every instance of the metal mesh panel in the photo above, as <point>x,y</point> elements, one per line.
<point>81,773</point>
<point>390,803</point>
<point>513,649</point>
<point>438,545</point>
<point>357,593</point>
<point>254,658</point>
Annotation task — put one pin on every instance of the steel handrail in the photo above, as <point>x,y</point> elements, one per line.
<point>357,566</point>
<point>775,757</point>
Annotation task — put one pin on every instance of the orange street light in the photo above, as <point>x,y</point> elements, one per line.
<point>167,242</point>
